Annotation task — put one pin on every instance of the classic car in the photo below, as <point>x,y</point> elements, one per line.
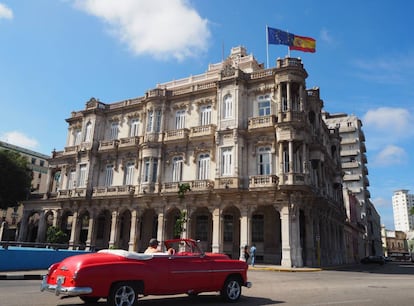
<point>121,276</point>
<point>373,259</point>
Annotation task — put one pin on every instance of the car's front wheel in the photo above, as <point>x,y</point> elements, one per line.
<point>123,294</point>
<point>231,291</point>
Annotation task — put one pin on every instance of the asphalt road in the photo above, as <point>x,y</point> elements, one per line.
<point>391,284</point>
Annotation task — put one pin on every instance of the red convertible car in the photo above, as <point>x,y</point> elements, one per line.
<point>121,276</point>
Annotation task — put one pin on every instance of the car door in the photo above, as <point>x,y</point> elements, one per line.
<point>190,273</point>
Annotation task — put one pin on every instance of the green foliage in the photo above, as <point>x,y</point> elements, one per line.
<point>182,189</point>
<point>55,235</point>
<point>15,179</point>
<point>411,211</point>
<point>179,224</point>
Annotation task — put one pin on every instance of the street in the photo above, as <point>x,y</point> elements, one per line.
<point>391,284</point>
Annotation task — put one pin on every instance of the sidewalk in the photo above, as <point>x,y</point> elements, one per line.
<point>37,274</point>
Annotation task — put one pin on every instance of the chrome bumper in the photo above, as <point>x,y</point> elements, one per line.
<point>59,289</point>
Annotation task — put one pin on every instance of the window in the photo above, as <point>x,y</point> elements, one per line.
<point>264,105</point>
<point>33,161</point>
<point>72,179</point>
<point>285,161</point>
<point>226,161</point>
<point>129,174</point>
<point>146,176</point>
<point>205,115</point>
<point>134,127</point>
<point>82,175</point>
<point>114,131</point>
<point>109,175</point>
<point>180,119</point>
<point>42,163</point>
<point>88,132</point>
<point>264,161</point>
<point>150,170</point>
<point>257,228</point>
<point>228,228</point>
<point>77,137</point>
<point>227,107</point>
<point>202,228</point>
<point>154,121</point>
<point>177,171</point>
<point>203,166</point>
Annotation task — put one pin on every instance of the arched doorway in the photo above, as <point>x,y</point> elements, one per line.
<point>201,228</point>
<point>267,235</point>
<point>231,232</point>
<point>84,228</point>
<point>172,228</point>
<point>103,230</point>
<point>148,228</point>
<point>32,227</point>
<point>124,228</point>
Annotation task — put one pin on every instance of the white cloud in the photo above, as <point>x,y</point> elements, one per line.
<point>19,139</point>
<point>390,155</point>
<point>5,12</point>
<point>161,28</point>
<point>389,119</point>
<point>326,36</point>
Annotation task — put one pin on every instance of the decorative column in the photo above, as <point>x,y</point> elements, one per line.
<point>90,240</point>
<point>291,160</point>
<point>113,234</point>
<point>73,232</point>
<point>217,234</point>
<point>289,102</point>
<point>296,248</point>
<point>23,226</point>
<point>310,243</point>
<point>160,230</point>
<point>132,244</point>
<point>285,226</point>
<point>245,238</point>
<point>41,231</point>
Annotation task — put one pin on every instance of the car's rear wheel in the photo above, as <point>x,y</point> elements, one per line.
<point>123,294</point>
<point>231,290</point>
<point>89,299</point>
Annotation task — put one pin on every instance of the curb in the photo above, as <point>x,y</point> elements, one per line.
<point>20,277</point>
<point>280,269</point>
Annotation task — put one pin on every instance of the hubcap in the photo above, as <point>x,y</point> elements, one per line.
<point>125,296</point>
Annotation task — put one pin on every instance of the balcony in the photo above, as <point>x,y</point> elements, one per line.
<point>176,135</point>
<point>71,193</point>
<point>352,164</point>
<point>289,135</point>
<point>294,179</point>
<point>293,116</point>
<point>352,177</point>
<point>203,131</point>
<point>152,137</point>
<point>263,181</point>
<point>108,145</point>
<point>129,142</point>
<point>110,191</point>
<point>71,150</point>
<point>198,185</point>
<point>262,122</point>
<point>227,183</point>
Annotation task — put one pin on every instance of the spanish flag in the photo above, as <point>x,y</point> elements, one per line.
<point>295,42</point>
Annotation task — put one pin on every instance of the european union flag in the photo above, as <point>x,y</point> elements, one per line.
<point>279,37</point>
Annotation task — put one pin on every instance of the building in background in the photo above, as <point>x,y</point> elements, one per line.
<point>355,181</point>
<point>246,146</point>
<point>397,246</point>
<point>402,202</point>
<point>38,163</point>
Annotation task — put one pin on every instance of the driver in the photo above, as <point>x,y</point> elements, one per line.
<point>153,247</point>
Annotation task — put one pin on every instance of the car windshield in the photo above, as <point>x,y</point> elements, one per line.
<point>183,246</point>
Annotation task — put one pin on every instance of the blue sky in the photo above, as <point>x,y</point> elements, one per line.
<point>57,54</point>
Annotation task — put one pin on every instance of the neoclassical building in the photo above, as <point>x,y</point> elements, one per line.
<point>250,142</point>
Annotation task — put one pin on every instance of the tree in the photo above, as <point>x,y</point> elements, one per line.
<point>55,235</point>
<point>411,211</point>
<point>15,179</point>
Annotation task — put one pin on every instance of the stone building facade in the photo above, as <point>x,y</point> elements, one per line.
<point>366,227</point>
<point>38,164</point>
<point>250,142</point>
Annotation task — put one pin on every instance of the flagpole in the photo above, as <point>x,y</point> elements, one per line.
<point>267,47</point>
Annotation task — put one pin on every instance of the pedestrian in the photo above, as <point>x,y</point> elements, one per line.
<point>246,253</point>
<point>252,254</point>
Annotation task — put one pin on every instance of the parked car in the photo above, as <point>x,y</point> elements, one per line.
<point>120,276</point>
<point>373,259</point>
